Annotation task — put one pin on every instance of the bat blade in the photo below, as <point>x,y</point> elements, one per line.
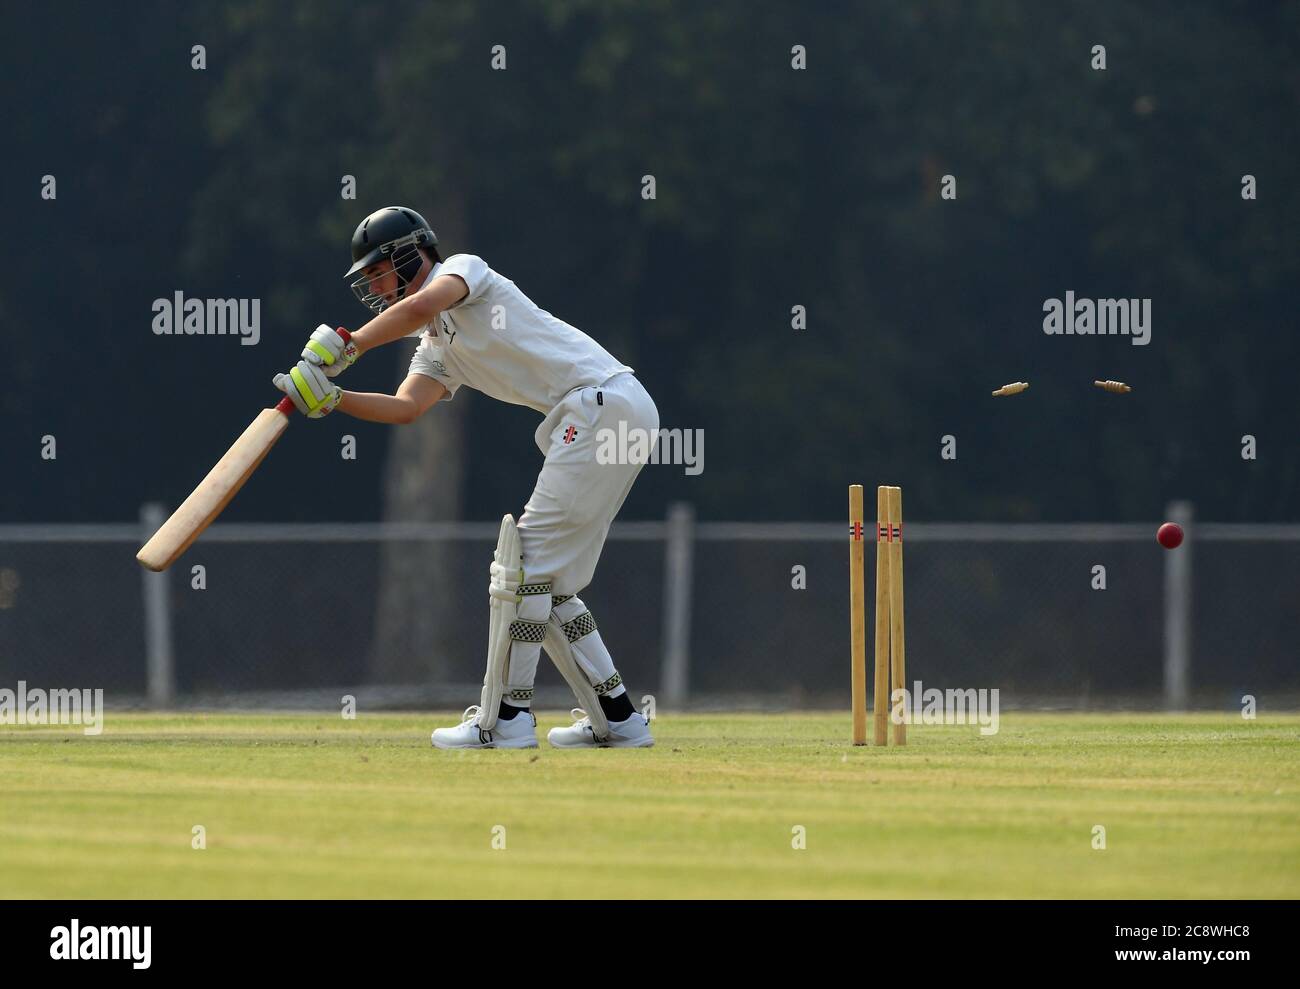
<point>214,492</point>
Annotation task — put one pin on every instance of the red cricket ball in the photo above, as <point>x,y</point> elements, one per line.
<point>1170,535</point>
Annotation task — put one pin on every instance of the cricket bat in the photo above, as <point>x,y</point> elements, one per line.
<point>215,491</point>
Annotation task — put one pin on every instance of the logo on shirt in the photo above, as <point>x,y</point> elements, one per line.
<point>439,366</point>
<point>570,435</point>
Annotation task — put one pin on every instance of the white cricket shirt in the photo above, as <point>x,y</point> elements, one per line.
<point>497,341</point>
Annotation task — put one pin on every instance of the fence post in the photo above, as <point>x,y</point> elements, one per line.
<point>679,553</point>
<point>159,675</point>
<point>1178,611</point>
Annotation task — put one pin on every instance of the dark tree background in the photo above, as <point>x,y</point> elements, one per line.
<point>775,188</point>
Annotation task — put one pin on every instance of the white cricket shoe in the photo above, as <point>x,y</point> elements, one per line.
<point>517,733</point>
<point>634,733</point>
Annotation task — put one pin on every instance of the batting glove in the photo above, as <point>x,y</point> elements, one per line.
<point>309,389</point>
<point>331,349</point>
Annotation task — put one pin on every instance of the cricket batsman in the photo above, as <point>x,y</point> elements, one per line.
<point>478,330</point>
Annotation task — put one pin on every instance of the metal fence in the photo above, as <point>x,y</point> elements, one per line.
<point>698,614</point>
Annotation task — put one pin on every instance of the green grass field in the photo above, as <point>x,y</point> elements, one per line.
<point>304,806</point>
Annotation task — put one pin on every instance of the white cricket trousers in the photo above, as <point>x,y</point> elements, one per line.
<point>565,522</point>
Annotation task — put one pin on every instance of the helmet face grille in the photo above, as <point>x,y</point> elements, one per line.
<point>390,284</point>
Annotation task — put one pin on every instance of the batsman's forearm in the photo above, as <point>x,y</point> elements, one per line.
<point>394,323</point>
<point>374,407</point>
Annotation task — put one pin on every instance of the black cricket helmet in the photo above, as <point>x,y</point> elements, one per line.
<point>396,234</point>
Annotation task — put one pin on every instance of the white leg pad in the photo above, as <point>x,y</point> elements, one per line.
<point>560,649</point>
<point>503,596</point>
<point>562,633</point>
